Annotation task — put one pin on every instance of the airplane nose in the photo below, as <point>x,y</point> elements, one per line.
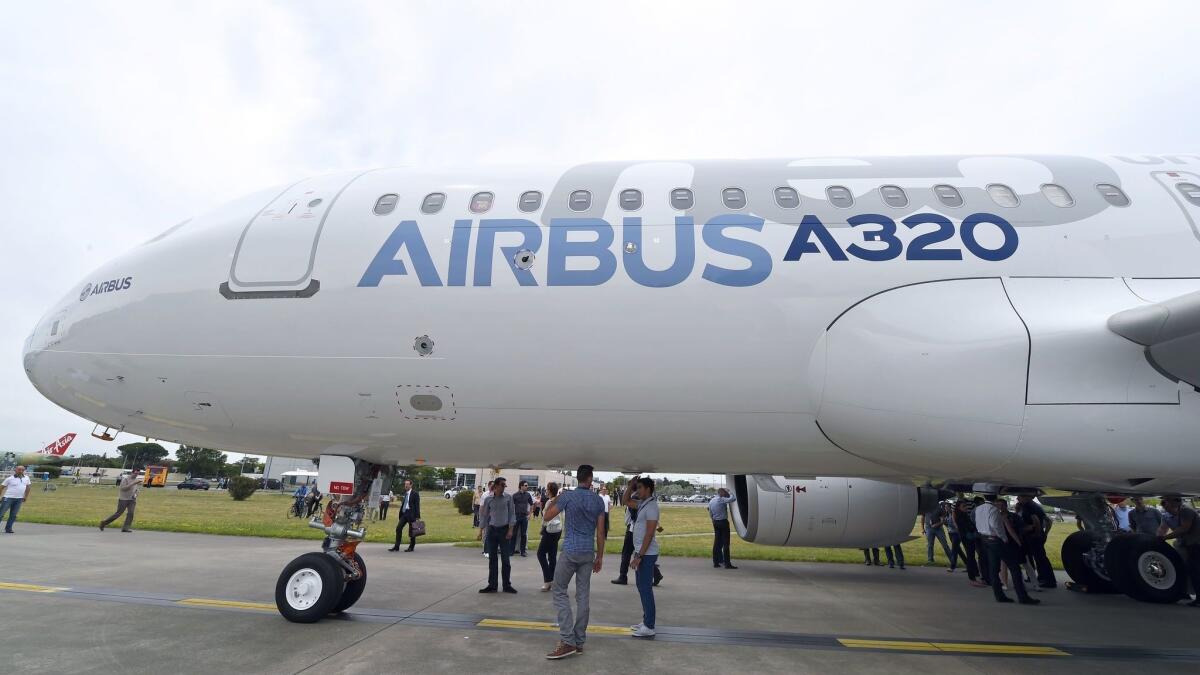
<point>30,359</point>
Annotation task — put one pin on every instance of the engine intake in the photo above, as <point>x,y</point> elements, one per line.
<point>833,512</point>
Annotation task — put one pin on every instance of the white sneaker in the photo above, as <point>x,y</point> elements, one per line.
<point>643,632</point>
<point>636,626</point>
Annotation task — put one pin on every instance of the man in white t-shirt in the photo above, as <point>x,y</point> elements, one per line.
<point>13,492</point>
<point>607,507</point>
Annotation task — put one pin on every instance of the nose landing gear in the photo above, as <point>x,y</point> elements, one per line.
<point>318,584</point>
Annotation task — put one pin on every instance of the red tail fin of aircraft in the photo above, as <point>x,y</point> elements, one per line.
<point>59,447</point>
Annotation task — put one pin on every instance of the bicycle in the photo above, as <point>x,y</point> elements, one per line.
<point>296,509</point>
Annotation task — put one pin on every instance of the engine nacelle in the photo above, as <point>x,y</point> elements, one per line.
<point>832,512</point>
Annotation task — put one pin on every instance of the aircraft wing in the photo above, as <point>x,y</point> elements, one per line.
<point>1170,331</point>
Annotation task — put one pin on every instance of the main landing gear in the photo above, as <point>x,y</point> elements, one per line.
<point>318,584</point>
<point>1104,560</point>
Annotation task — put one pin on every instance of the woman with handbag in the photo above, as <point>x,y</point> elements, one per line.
<point>547,553</point>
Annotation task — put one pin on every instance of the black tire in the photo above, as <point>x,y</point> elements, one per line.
<point>353,590</point>
<point>1118,562</point>
<point>321,570</point>
<point>1074,547</point>
<point>1146,568</point>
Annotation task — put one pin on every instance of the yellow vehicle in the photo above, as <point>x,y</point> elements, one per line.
<point>156,476</point>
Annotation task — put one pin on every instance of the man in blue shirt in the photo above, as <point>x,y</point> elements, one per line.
<point>583,548</point>
<point>299,495</point>
<point>718,509</point>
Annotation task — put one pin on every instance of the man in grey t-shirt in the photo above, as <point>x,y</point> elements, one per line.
<point>126,499</point>
<point>583,548</point>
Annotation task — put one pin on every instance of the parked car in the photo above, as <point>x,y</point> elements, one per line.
<point>698,499</point>
<point>193,484</point>
<point>449,494</point>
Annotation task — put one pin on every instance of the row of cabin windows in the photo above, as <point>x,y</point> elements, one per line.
<point>785,197</point>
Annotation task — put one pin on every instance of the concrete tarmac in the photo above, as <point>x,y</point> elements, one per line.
<point>75,600</point>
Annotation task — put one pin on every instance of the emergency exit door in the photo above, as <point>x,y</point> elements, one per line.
<point>275,255</point>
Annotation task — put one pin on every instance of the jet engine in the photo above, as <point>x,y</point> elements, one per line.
<point>832,512</point>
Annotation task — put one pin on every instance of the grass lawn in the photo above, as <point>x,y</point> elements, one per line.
<point>687,528</point>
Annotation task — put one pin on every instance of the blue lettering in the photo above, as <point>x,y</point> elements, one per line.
<point>809,226</point>
<point>967,232</point>
<point>557,273</point>
<point>406,234</point>
<point>917,247</point>
<point>760,259</point>
<point>886,233</point>
<point>460,242</point>
<point>685,254</point>
<point>486,241</point>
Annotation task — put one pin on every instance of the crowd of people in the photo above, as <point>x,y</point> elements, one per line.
<point>1001,545</point>
<point>580,519</point>
<point>996,546</point>
<point>577,518</point>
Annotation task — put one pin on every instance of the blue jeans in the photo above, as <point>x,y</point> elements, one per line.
<point>940,533</point>
<point>501,548</point>
<point>12,505</point>
<point>521,534</point>
<point>645,586</point>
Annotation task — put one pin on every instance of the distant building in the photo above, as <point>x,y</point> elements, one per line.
<point>275,466</point>
<point>513,477</point>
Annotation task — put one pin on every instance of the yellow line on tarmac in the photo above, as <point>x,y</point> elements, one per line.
<point>32,588</point>
<point>542,625</point>
<point>206,602</point>
<point>954,647</point>
<point>889,644</point>
<point>1029,650</point>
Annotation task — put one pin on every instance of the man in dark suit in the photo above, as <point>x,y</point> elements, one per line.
<point>410,512</point>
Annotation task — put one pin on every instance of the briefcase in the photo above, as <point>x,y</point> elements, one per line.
<point>418,528</point>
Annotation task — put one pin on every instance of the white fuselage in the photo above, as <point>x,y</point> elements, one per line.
<point>705,339</point>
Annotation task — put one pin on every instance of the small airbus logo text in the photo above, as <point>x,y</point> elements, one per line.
<point>109,286</point>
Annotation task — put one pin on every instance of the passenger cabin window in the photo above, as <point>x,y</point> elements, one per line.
<point>530,201</point>
<point>433,202</point>
<point>1003,195</point>
<point>54,329</point>
<point>482,202</point>
<point>631,200</point>
<point>839,196</point>
<point>386,204</point>
<point>786,197</point>
<point>734,198</point>
<point>1058,195</point>
<point>682,199</point>
<point>581,200</point>
<point>1112,194</point>
<point>893,196</point>
<point>948,195</point>
<point>1190,192</point>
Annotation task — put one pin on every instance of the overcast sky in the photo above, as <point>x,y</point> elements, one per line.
<point>119,120</point>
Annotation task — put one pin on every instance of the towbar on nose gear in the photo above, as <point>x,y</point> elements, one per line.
<point>337,530</point>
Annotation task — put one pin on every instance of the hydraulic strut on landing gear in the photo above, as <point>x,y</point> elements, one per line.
<point>330,581</point>
<point>1103,560</point>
